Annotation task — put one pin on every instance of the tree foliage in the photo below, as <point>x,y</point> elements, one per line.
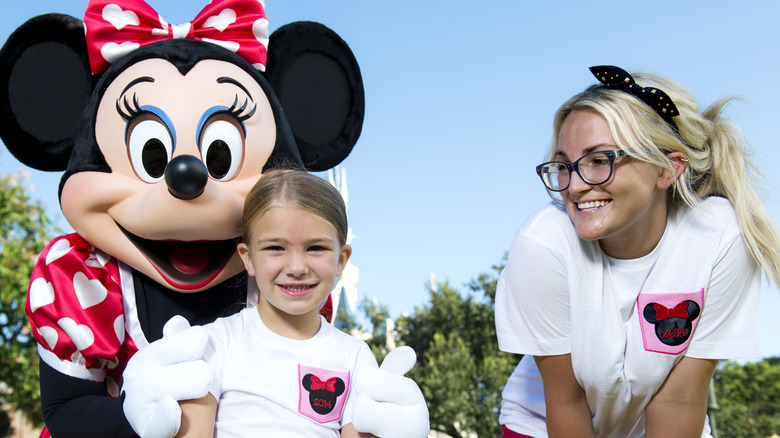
<point>24,231</point>
<point>379,317</point>
<point>749,399</point>
<point>459,369</point>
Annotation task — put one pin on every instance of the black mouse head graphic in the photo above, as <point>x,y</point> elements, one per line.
<point>673,325</point>
<point>323,393</point>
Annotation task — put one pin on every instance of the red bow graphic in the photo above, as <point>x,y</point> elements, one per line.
<point>680,310</point>
<point>117,27</point>
<point>328,385</point>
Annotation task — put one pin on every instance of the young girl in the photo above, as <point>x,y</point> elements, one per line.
<point>279,369</point>
<point>627,291</point>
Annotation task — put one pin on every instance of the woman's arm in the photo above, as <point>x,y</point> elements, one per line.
<point>679,407</point>
<point>568,413</point>
<point>197,417</point>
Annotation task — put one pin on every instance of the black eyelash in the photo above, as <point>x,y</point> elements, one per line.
<point>132,111</point>
<point>236,112</point>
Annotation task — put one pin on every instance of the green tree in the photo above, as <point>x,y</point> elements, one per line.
<point>24,231</point>
<point>459,369</point>
<point>749,399</point>
<point>377,316</point>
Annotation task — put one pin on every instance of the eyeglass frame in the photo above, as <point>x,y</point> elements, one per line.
<point>574,167</point>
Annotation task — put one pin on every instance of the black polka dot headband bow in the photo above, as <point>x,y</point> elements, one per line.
<point>619,79</point>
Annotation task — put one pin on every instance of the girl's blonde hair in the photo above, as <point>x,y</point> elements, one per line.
<point>719,156</point>
<point>299,189</point>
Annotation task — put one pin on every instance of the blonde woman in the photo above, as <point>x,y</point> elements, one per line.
<point>625,293</point>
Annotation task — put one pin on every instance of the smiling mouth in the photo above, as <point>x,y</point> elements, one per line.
<point>298,290</point>
<point>591,205</point>
<point>185,265</point>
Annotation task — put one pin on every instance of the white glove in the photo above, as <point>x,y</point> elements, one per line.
<point>391,405</point>
<point>165,371</point>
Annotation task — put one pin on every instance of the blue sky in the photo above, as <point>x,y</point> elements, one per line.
<point>459,103</point>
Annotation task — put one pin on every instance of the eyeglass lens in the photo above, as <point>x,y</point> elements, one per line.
<point>594,168</point>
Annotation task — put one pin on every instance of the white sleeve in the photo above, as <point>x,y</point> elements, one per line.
<point>532,296</point>
<point>728,328</point>
<point>215,353</point>
<point>365,359</point>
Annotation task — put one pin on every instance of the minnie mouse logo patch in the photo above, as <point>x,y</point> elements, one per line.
<point>322,393</point>
<point>668,320</point>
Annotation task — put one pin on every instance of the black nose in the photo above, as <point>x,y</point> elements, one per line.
<point>186,177</point>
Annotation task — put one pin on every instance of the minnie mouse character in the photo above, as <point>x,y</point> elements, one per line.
<point>162,130</point>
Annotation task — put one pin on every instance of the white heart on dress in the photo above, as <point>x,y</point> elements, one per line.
<point>112,51</point>
<point>49,335</point>
<point>81,335</point>
<point>119,328</point>
<point>221,21</point>
<point>93,262</point>
<point>41,294</point>
<point>89,292</point>
<point>114,14</point>
<point>59,249</point>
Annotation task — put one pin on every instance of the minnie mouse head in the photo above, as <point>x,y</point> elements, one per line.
<point>673,326</point>
<point>323,393</point>
<point>161,147</point>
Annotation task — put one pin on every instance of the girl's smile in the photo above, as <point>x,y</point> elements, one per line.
<point>296,290</point>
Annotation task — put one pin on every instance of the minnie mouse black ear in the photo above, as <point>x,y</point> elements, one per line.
<point>317,80</point>
<point>45,82</point>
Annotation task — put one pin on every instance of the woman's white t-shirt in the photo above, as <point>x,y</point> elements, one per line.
<point>626,323</point>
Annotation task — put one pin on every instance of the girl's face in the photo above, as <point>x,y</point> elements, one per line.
<point>295,257</point>
<point>627,214</point>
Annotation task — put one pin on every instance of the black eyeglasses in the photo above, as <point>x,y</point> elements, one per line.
<point>594,168</point>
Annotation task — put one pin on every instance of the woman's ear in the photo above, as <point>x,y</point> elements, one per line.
<point>243,252</point>
<point>679,161</point>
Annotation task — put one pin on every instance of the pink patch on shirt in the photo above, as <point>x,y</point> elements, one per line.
<point>668,320</point>
<point>322,393</point>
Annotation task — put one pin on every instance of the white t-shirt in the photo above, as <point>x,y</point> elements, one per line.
<point>269,385</point>
<point>626,323</point>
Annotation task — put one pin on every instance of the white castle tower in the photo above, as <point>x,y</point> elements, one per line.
<point>345,294</point>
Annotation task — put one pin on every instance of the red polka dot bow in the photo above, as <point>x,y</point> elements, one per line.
<point>117,27</point>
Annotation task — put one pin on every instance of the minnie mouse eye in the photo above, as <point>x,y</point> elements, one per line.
<point>222,149</point>
<point>150,146</point>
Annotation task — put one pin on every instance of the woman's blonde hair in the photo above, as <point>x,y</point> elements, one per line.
<point>719,156</point>
<point>299,189</point>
